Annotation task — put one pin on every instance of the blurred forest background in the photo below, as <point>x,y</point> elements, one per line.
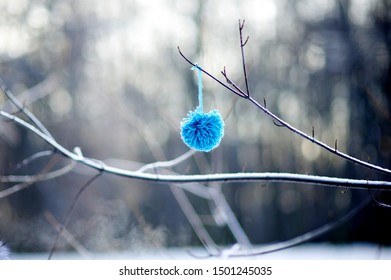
<point>106,76</point>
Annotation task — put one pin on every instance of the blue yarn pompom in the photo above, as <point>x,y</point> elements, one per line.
<point>202,131</point>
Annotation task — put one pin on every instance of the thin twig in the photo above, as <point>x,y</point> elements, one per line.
<point>27,161</point>
<point>36,92</point>
<point>168,163</point>
<point>230,218</point>
<point>39,177</point>
<point>241,26</point>
<point>240,92</point>
<point>194,220</point>
<point>67,235</point>
<point>70,212</point>
<point>377,202</point>
<point>22,108</point>
<point>211,76</point>
<point>302,238</point>
<point>28,180</point>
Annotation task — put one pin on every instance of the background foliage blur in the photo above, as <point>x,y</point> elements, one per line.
<point>106,76</point>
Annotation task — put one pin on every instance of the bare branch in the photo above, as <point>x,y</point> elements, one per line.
<point>241,26</point>
<point>64,225</point>
<point>35,93</point>
<point>302,238</point>
<point>67,235</point>
<point>225,177</point>
<point>194,220</point>
<point>210,75</point>
<point>228,216</point>
<point>295,130</point>
<point>28,180</point>
<point>241,93</point>
<point>168,163</point>
<point>23,109</point>
<point>377,202</point>
<point>28,160</point>
<point>319,143</point>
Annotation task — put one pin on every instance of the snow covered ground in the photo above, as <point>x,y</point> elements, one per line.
<point>304,252</point>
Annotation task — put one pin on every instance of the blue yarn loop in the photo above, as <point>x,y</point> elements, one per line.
<point>202,131</point>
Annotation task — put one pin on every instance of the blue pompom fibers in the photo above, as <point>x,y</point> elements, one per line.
<point>202,131</point>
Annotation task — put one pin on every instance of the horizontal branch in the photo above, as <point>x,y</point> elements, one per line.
<point>255,177</point>
<point>223,177</point>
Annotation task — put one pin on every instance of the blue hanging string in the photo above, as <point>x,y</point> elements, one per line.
<point>200,102</point>
<point>202,131</point>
